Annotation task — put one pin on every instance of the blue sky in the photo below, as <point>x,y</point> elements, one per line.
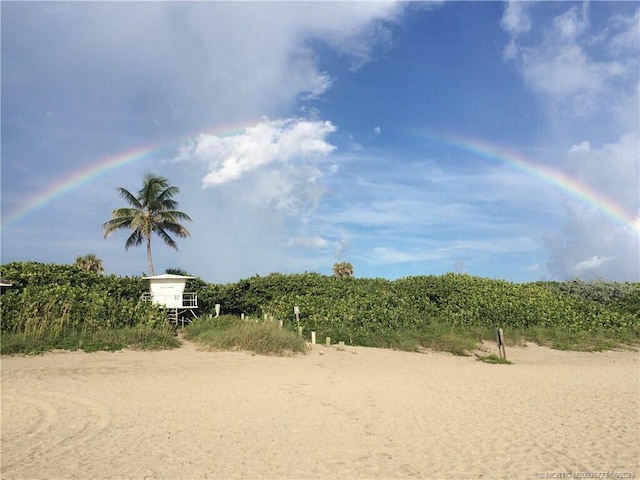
<point>405,138</point>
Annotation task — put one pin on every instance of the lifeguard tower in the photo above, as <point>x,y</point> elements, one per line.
<point>167,291</point>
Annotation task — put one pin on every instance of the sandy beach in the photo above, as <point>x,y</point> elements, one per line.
<point>358,413</point>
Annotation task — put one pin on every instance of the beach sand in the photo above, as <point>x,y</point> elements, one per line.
<point>357,413</point>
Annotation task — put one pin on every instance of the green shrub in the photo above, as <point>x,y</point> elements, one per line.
<point>62,306</point>
<point>449,312</point>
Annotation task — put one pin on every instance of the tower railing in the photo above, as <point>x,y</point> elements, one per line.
<point>179,307</point>
<point>182,300</point>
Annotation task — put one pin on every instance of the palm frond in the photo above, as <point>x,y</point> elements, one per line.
<point>152,187</point>
<point>163,206</point>
<point>126,212</point>
<point>178,215</point>
<point>115,224</point>
<point>175,228</point>
<point>134,239</point>
<point>166,238</point>
<point>130,198</point>
<point>167,194</point>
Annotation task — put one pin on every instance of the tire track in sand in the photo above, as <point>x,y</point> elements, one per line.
<point>55,424</point>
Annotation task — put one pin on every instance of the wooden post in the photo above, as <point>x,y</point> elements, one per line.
<point>327,341</point>
<point>340,346</point>
<point>217,310</point>
<point>504,351</point>
<point>300,331</point>
<point>296,311</point>
<point>242,316</point>
<point>313,338</point>
<point>500,342</point>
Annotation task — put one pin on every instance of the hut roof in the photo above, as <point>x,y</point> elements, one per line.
<point>167,276</point>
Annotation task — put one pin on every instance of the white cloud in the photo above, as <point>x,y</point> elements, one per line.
<point>604,229</point>
<point>272,164</point>
<point>562,70</point>
<point>495,245</point>
<point>452,250</point>
<point>189,65</point>
<point>261,189</point>
<point>531,268</point>
<point>621,33</point>
<point>341,246</point>
<point>582,147</point>
<point>593,262</point>
<point>562,65</point>
<point>515,21</point>
<point>612,170</point>
<point>459,266</point>
<point>230,158</point>
<point>390,255</point>
<point>572,23</point>
<point>589,235</point>
<point>357,43</point>
<point>587,73</point>
<point>313,242</point>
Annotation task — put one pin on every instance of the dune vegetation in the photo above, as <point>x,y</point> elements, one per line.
<point>65,307</point>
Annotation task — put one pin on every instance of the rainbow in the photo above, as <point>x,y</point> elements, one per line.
<point>580,191</point>
<point>555,178</point>
<point>93,171</point>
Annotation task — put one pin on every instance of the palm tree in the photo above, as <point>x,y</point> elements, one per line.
<point>152,211</point>
<point>89,263</point>
<point>342,270</point>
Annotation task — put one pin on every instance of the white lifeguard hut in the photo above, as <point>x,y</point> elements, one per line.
<point>4,284</point>
<point>167,291</point>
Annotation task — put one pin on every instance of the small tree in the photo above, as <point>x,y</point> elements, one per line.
<point>89,263</point>
<point>342,270</point>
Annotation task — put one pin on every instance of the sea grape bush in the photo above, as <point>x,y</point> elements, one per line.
<point>623,297</point>
<point>48,298</point>
<point>347,309</point>
<point>353,308</point>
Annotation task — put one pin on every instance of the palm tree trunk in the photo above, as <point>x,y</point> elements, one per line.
<point>149,259</point>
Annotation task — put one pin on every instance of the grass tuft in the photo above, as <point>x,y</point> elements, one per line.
<point>140,338</point>
<point>493,358</point>
<point>232,333</point>
<point>582,341</point>
<point>436,336</point>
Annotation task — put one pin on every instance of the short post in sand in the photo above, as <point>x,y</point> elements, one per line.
<point>500,342</point>
<point>296,311</point>
<point>313,337</point>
